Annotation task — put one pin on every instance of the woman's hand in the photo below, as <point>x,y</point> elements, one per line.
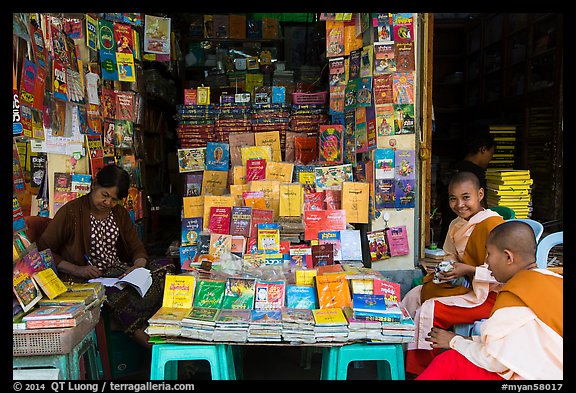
<point>460,270</point>
<point>88,272</point>
<point>440,338</point>
<point>140,262</point>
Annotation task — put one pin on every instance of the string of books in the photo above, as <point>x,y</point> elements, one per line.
<point>331,303</point>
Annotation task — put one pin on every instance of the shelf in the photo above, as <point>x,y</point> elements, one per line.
<point>186,40</point>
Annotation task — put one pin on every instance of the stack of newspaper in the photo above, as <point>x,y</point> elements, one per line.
<point>298,325</point>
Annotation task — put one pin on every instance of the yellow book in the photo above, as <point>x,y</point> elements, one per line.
<point>178,291</point>
<point>501,192</point>
<point>281,171</point>
<point>66,298</point>
<point>214,182</point>
<point>271,190</point>
<point>239,175</point>
<point>305,276</point>
<point>272,139</point>
<point>329,316</point>
<point>362,285</point>
<point>355,198</point>
<point>236,191</point>
<point>291,199</point>
<point>507,173</point>
<point>495,183</point>
<point>215,200</point>
<point>193,206</point>
<point>203,95</point>
<point>306,177</point>
<point>255,152</point>
<point>50,283</point>
<point>169,316</point>
<point>269,237</point>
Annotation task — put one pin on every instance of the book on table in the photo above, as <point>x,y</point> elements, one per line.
<point>139,278</point>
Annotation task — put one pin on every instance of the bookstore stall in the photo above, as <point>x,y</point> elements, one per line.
<point>298,178</point>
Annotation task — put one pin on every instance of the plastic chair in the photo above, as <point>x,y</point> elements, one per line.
<point>545,246</point>
<point>165,359</point>
<point>537,227</point>
<point>335,360</point>
<point>506,212</point>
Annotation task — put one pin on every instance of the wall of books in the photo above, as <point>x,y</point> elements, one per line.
<point>274,175</point>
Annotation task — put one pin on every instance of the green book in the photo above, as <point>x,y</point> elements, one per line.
<point>239,293</point>
<point>209,293</point>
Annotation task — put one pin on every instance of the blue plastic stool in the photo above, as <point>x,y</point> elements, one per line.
<point>335,360</point>
<point>165,359</point>
<point>67,363</point>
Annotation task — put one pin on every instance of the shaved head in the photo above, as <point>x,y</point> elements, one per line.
<point>515,236</point>
<point>462,177</point>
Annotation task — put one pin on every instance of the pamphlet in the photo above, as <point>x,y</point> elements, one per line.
<point>139,278</point>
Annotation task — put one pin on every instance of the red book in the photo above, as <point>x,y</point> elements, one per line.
<point>260,216</point>
<point>220,219</point>
<point>313,201</point>
<point>314,221</point>
<point>255,169</point>
<point>335,220</point>
<point>333,199</point>
<point>390,290</point>
<point>322,254</point>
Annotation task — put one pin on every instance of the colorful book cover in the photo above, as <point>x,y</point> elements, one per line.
<point>300,297</point>
<point>384,163</point>
<point>350,94</point>
<point>240,221</point>
<point>191,159</point>
<point>403,27</point>
<point>187,256</point>
<point>329,316</point>
<point>404,119</point>
<point>390,290</point>
<point>354,64</point>
<point>193,184</point>
<point>300,256</point>
<point>270,294</point>
<point>236,141</point>
<point>255,169</point>
<point>313,201</point>
<point>272,139</point>
<point>255,152</point>
<point>271,189</point>
<point>239,293</point>
<point>322,254</point>
<point>364,91</point>
<point>209,293</point>
<point>254,199</point>
<point>333,291</point>
<point>123,134</point>
<point>178,291</point>
<point>332,177</point>
<point>349,137</point>
<point>405,193</point>
<point>377,245</point>
<point>217,156</point>
<point>383,90</point>
<point>220,219</point>
<point>193,206</point>
<point>260,216</point>
<point>220,244</point>
<point>330,144</point>
<point>269,237</point>
<point>332,199</point>
<point>368,303</point>
<point>337,71</point>
<point>49,282</point>
<point>355,201</point>
<point>382,23</point>
<point>366,61</point>
<point>191,228</point>
<point>305,276</point>
<point>384,58</point>
<point>238,246</point>
<point>404,164</point>
<point>384,193</point>
<point>313,223</point>
<point>353,245</point>
<point>403,87</point>
<point>304,174</point>
<point>337,94</point>
<point>404,56</point>
<point>385,119</point>
<point>332,237</point>
<point>397,239</point>
<point>334,38</point>
<point>290,200</point>
<point>360,129</point>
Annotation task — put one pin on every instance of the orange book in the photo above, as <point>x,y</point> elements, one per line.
<point>193,206</point>
<point>355,200</point>
<point>333,290</point>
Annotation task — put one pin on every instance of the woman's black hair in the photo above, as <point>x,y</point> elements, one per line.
<point>114,176</point>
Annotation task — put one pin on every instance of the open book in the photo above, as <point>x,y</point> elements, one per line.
<point>139,278</point>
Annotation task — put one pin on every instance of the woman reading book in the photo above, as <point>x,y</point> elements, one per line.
<point>465,291</point>
<point>93,236</point>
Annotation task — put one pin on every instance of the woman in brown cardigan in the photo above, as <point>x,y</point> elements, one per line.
<point>93,236</point>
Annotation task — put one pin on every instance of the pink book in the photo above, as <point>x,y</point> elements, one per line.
<point>398,241</point>
<point>255,169</point>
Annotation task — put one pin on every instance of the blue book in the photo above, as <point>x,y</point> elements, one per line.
<point>368,303</point>
<point>278,94</point>
<point>187,256</point>
<point>191,228</point>
<point>217,156</point>
<point>300,296</point>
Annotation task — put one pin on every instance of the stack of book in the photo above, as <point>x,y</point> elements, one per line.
<point>331,325</point>
<point>398,330</point>
<point>511,188</point>
<point>166,321</point>
<point>265,325</point>
<point>232,325</point>
<point>199,323</point>
<point>43,317</point>
<point>361,329</point>
<point>505,139</point>
<point>298,325</point>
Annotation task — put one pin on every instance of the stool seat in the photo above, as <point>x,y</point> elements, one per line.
<point>165,359</point>
<point>389,358</point>
<point>67,363</point>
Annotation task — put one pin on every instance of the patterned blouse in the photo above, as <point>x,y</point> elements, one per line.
<point>103,238</point>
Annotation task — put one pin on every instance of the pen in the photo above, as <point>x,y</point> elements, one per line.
<point>88,260</point>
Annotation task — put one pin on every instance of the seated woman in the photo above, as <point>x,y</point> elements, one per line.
<point>93,236</point>
<point>466,293</point>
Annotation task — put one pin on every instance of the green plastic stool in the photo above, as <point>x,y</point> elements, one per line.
<point>506,212</point>
<point>335,360</point>
<point>165,359</point>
